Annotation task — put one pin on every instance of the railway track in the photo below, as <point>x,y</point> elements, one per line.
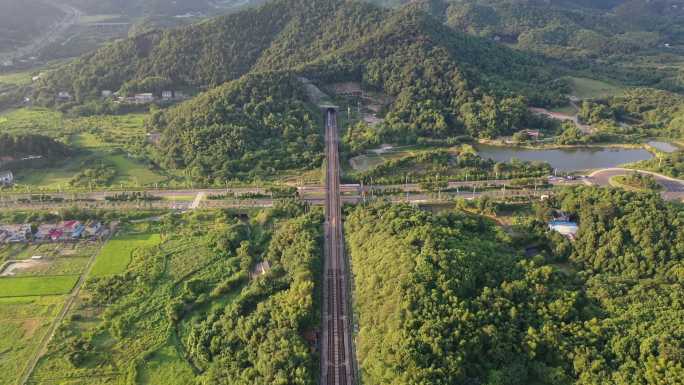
<point>336,349</point>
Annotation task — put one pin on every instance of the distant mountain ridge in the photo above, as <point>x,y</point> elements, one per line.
<point>281,35</point>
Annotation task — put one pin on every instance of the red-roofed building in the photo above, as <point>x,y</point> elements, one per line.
<point>56,234</point>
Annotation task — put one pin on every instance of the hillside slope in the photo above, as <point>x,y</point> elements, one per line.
<point>283,34</point>
<point>444,83</point>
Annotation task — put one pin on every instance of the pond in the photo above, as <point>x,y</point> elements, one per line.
<point>664,146</point>
<point>575,159</point>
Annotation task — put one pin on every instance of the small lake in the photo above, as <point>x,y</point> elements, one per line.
<point>664,146</point>
<point>574,159</point>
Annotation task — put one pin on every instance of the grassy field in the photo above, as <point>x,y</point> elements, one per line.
<point>10,251</point>
<point>621,181</point>
<point>117,253</point>
<point>34,121</point>
<point>57,266</point>
<point>585,88</point>
<point>37,286</point>
<point>165,367</point>
<point>24,322</point>
<point>16,78</point>
<point>22,251</point>
<point>371,159</point>
<point>145,350</point>
<point>106,139</point>
<point>180,198</point>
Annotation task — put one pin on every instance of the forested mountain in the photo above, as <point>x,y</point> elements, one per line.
<point>444,83</point>
<point>293,33</point>
<point>442,298</point>
<point>604,37</point>
<point>330,37</point>
<point>253,126</point>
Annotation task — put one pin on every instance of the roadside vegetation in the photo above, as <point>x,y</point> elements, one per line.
<point>637,181</point>
<point>459,163</point>
<point>667,164</point>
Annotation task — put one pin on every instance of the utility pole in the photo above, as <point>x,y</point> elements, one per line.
<point>363,192</point>
<point>371,188</point>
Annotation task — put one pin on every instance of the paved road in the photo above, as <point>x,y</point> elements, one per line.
<point>336,343</point>
<point>674,188</point>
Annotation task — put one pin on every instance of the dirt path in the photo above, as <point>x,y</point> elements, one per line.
<point>564,117</point>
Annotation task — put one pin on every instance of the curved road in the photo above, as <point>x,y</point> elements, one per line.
<point>674,188</point>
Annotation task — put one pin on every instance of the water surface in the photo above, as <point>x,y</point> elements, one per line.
<point>574,159</point>
<point>664,146</point>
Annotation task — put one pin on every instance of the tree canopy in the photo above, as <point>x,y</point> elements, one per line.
<point>445,298</point>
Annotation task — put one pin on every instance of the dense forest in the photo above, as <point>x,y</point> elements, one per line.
<point>255,126</point>
<point>638,111</point>
<point>444,81</point>
<point>17,146</point>
<point>444,298</point>
<point>258,338</point>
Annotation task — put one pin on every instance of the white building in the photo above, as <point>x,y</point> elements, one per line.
<point>6,178</point>
<point>167,95</point>
<point>63,95</point>
<point>565,228</point>
<point>144,98</point>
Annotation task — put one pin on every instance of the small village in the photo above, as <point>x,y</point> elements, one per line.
<point>65,231</point>
<point>141,98</point>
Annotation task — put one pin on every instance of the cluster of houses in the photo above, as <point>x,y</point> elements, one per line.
<point>57,232</point>
<point>15,233</point>
<point>140,98</point>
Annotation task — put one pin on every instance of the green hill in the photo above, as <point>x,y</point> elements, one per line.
<point>444,83</point>
<point>253,126</point>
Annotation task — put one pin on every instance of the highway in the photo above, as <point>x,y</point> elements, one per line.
<point>336,349</point>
